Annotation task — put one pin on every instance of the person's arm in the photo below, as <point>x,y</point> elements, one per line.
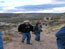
<point>20,29</point>
<point>40,26</point>
<point>1,41</point>
<point>61,32</point>
<point>32,29</point>
<point>58,34</point>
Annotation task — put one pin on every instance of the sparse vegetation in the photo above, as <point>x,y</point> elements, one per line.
<point>7,38</point>
<point>47,36</point>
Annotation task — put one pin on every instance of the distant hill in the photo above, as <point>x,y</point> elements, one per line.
<point>10,17</point>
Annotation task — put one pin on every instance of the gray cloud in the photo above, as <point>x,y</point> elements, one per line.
<point>35,7</point>
<point>60,0</point>
<point>40,7</point>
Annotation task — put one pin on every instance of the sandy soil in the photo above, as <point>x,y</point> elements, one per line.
<point>48,41</point>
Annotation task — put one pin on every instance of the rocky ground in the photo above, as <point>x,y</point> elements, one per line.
<point>48,41</point>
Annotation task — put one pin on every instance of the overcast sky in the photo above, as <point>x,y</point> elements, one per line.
<point>32,6</point>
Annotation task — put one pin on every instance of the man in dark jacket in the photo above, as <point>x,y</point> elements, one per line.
<point>61,38</point>
<point>25,29</point>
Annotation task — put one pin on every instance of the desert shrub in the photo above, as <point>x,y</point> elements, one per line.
<point>6,37</point>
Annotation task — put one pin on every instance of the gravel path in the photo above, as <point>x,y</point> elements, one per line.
<point>47,42</point>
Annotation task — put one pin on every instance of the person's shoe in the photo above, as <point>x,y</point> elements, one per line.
<point>22,41</point>
<point>37,40</point>
<point>29,43</point>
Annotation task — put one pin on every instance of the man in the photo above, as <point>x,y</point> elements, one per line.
<point>37,30</point>
<point>1,41</point>
<point>61,38</point>
<point>25,29</point>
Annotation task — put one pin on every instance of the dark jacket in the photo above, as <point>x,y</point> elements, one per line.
<point>37,29</point>
<point>61,36</point>
<point>25,28</point>
<point>61,33</point>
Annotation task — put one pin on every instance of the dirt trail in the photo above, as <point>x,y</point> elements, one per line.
<point>47,42</point>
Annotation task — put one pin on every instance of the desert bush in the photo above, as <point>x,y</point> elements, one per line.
<point>6,37</point>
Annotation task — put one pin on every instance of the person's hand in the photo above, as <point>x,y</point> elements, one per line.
<point>20,32</point>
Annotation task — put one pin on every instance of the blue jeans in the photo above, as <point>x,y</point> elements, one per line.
<point>26,35</point>
<point>1,41</point>
<point>60,44</point>
<point>37,36</point>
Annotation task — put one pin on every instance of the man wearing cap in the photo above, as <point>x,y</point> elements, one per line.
<point>25,29</point>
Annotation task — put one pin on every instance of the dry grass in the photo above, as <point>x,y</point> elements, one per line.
<point>54,28</point>
<point>7,38</point>
<point>48,40</point>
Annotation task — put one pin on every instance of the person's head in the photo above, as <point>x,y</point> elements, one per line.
<point>38,23</point>
<point>27,22</point>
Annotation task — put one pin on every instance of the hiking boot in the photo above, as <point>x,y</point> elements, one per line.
<point>22,41</point>
<point>37,40</point>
